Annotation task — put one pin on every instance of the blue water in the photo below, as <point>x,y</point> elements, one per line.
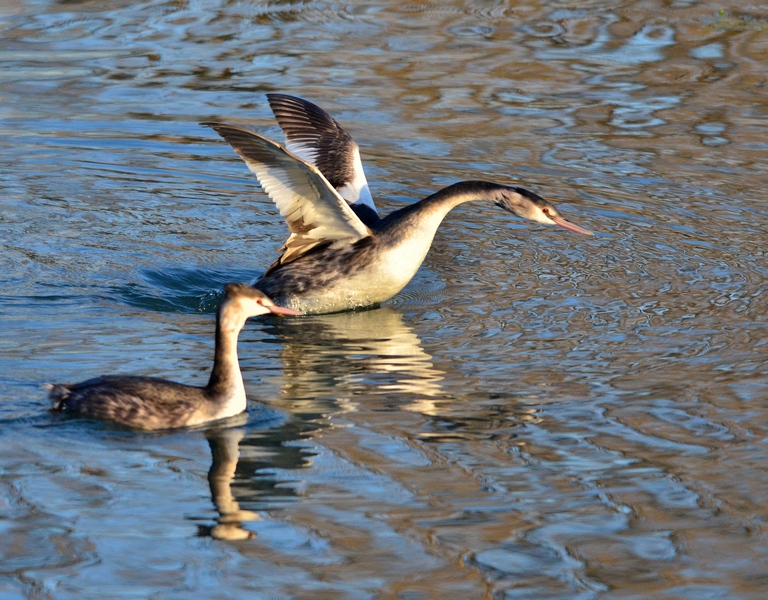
<point>537,415</point>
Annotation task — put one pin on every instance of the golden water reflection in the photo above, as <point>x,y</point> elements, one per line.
<point>341,355</point>
<point>225,452</point>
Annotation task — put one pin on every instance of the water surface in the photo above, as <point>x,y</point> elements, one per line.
<point>537,415</point>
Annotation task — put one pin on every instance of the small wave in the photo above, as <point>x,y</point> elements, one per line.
<point>180,289</point>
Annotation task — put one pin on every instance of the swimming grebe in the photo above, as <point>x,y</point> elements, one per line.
<point>153,403</point>
<point>340,254</point>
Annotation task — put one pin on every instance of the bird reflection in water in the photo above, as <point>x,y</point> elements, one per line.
<point>225,452</point>
<point>330,359</point>
<point>245,458</point>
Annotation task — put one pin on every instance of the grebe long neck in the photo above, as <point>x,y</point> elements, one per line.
<point>464,191</point>
<point>424,217</point>
<point>226,382</point>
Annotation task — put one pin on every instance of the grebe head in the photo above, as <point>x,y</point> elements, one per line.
<point>528,205</point>
<point>242,301</point>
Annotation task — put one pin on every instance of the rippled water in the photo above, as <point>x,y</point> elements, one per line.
<point>537,415</point>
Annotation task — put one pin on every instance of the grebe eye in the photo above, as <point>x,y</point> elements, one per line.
<point>545,210</point>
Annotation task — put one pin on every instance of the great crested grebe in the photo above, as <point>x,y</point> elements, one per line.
<point>153,403</point>
<point>340,254</point>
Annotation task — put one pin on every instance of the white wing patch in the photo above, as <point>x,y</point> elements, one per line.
<point>357,190</point>
<point>313,210</point>
<point>307,152</point>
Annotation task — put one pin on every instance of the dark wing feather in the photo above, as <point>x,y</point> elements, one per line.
<point>142,402</point>
<point>317,137</point>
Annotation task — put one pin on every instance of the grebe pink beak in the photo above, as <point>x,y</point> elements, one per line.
<point>281,310</point>
<point>558,220</point>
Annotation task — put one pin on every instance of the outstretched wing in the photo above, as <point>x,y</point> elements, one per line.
<point>315,136</point>
<point>314,211</point>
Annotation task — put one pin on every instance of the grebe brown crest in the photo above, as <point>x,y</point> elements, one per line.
<point>340,254</point>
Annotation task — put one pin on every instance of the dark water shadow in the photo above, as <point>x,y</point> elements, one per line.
<point>180,289</point>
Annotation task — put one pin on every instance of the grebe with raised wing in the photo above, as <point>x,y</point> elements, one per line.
<point>340,254</point>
